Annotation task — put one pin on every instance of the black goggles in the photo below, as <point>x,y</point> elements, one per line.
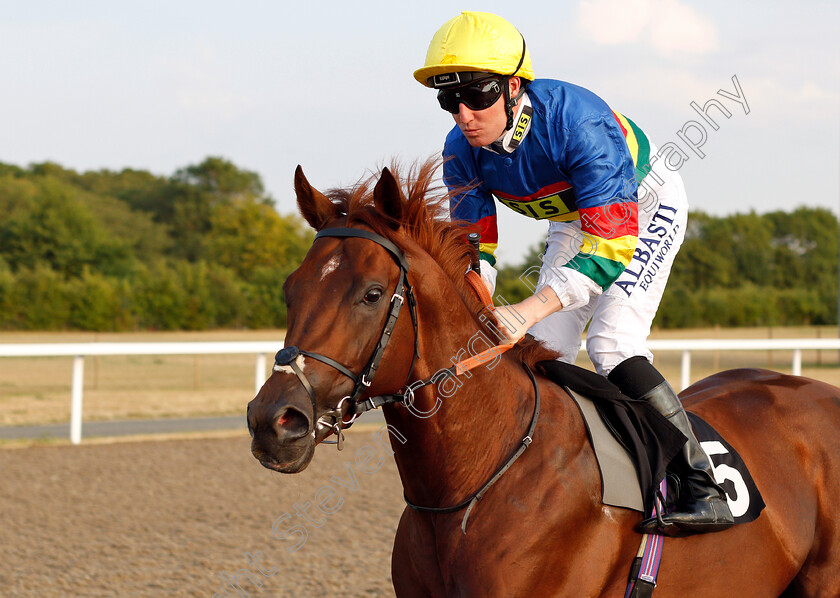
<point>478,95</point>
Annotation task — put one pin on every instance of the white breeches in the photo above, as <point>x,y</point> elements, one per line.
<point>620,317</point>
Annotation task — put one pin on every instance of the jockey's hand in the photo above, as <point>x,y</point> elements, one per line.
<point>516,319</point>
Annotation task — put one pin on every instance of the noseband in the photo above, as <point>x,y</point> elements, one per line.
<point>402,294</point>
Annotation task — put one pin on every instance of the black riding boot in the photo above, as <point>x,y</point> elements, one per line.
<point>705,508</point>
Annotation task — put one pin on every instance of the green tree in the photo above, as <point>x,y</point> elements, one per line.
<point>697,267</point>
<point>49,224</point>
<point>97,303</point>
<point>221,179</point>
<point>248,233</point>
<point>266,303</point>
<point>8,308</point>
<point>805,247</point>
<point>40,300</point>
<point>196,192</point>
<point>159,299</point>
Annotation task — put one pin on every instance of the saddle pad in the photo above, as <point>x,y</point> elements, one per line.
<point>651,440</point>
<point>620,484</point>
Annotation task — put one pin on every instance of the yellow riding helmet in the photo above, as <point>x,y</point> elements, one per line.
<point>476,41</point>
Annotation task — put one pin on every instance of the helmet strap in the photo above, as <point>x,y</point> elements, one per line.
<point>510,102</point>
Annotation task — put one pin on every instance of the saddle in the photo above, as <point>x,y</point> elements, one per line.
<point>634,445</point>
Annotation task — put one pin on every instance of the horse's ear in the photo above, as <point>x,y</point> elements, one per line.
<point>314,206</point>
<point>387,198</point>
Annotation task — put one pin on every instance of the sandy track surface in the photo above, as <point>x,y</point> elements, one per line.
<point>174,517</point>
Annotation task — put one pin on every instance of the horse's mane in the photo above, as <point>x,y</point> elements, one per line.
<point>425,220</point>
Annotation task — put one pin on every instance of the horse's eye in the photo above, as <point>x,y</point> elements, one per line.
<point>373,296</point>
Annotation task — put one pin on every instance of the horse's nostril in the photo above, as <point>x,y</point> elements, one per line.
<point>290,424</point>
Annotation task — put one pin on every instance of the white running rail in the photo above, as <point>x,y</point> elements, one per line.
<point>263,348</point>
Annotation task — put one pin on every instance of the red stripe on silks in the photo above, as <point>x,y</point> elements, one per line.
<point>539,193</point>
<point>489,229</point>
<point>618,120</point>
<point>616,219</point>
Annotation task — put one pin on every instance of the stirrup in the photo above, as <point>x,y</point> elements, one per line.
<point>656,524</point>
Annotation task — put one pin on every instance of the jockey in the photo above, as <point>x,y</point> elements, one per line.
<point>552,150</point>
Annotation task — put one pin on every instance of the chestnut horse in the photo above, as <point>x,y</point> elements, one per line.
<point>541,530</point>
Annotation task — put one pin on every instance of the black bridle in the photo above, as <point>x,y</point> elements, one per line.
<point>403,293</point>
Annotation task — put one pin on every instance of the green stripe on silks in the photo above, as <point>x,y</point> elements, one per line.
<point>602,270</point>
<point>643,159</point>
<point>487,257</point>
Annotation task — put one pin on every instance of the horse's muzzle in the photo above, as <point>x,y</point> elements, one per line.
<point>281,436</point>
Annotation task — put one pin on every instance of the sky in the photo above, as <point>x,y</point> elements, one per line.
<point>328,85</point>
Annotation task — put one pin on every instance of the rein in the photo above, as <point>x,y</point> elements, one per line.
<point>403,293</point>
